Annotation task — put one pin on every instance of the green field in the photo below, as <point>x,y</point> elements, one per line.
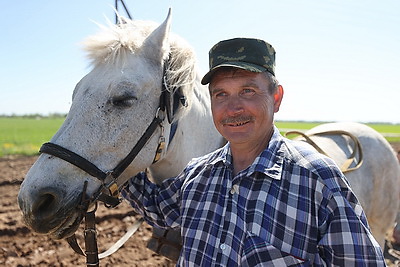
<point>390,131</point>
<point>24,135</point>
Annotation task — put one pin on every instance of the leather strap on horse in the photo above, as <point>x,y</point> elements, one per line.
<point>110,198</point>
<point>92,255</point>
<point>91,252</point>
<point>73,158</point>
<point>107,193</point>
<point>357,148</point>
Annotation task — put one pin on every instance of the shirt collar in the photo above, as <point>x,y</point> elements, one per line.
<point>223,155</point>
<point>270,160</point>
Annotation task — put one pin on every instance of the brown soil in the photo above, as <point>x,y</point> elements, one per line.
<point>21,247</point>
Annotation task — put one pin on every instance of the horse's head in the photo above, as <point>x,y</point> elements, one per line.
<point>112,106</point>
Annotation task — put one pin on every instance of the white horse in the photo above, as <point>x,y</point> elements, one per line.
<point>142,75</point>
<point>116,102</point>
<point>376,182</point>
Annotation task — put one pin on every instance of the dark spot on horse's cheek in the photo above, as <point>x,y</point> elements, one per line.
<point>86,91</point>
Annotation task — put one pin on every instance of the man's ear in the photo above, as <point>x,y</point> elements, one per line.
<point>278,98</point>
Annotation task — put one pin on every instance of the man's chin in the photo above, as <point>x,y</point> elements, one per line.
<point>237,137</point>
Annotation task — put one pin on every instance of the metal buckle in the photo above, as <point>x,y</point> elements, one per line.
<point>160,114</point>
<point>113,189</point>
<point>111,185</point>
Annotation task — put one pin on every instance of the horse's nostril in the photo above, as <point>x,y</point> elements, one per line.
<point>44,209</point>
<point>46,201</point>
<point>45,205</point>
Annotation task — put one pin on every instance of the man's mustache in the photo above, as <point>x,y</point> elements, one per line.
<point>237,120</point>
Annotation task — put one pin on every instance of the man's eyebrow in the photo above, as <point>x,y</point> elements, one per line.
<point>250,84</point>
<point>215,90</point>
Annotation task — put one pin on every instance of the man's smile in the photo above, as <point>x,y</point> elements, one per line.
<point>236,121</point>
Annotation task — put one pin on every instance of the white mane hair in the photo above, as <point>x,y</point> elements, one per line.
<point>114,43</point>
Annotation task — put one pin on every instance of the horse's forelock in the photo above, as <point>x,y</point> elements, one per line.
<point>115,42</point>
<point>181,64</point>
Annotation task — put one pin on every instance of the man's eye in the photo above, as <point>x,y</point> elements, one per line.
<point>248,92</point>
<point>220,95</point>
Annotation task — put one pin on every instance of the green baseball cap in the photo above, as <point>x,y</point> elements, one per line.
<point>244,53</point>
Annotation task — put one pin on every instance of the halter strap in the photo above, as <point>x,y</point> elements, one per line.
<point>109,193</point>
<point>73,158</point>
<point>136,149</point>
<point>90,168</point>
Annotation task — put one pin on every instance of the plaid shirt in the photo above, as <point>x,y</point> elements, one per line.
<point>291,207</point>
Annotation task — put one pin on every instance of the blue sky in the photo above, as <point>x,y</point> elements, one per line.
<point>338,60</point>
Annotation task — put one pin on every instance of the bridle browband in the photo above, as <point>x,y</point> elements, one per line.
<point>108,192</point>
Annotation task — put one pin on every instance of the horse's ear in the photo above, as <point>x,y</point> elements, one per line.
<point>158,40</point>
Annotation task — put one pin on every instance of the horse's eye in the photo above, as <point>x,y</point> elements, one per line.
<point>123,101</point>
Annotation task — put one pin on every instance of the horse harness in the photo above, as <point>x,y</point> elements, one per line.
<point>108,193</point>
<point>356,149</point>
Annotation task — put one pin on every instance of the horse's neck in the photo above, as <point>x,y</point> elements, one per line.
<point>195,136</point>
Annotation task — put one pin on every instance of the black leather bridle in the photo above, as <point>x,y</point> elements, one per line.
<point>108,193</point>
<point>109,178</point>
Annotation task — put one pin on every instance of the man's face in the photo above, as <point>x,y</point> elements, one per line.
<point>242,106</point>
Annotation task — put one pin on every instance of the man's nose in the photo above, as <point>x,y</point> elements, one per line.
<point>235,105</point>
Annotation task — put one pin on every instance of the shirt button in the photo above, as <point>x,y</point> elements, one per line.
<point>234,189</point>
<point>222,246</point>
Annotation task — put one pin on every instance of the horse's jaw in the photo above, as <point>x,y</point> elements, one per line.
<point>165,169</point>
<point>68,227</point>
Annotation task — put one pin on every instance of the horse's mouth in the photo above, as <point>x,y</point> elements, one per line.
<point>68,227</point>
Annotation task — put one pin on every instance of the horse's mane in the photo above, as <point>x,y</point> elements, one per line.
<point>115,42</point>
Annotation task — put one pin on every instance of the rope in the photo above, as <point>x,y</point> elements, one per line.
<point>124,6</point>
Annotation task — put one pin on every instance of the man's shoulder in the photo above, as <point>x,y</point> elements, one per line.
<point>304,155</point>
<point>304,160</point>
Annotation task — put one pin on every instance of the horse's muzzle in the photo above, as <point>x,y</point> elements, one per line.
<point>46,211</point>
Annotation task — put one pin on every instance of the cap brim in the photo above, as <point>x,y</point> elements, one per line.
<point>240,65</point>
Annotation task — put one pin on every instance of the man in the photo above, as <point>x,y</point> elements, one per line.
<point>261,200</point>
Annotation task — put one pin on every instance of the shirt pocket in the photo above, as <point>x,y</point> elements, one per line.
<point>257,252</point>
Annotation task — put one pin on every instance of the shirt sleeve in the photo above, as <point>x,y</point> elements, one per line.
<point>346,238</point>
<point>158,204</point>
